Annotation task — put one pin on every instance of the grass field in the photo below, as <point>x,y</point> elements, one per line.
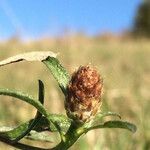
<point>124,65</point>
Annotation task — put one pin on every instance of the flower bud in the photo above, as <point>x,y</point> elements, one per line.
<point>83,94</point>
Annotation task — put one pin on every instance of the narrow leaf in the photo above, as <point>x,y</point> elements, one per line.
<point>116,124</point>
<point>58,71</point>
<point>60,120</point>
<point>31,56</point>
<point>49,119</point>
<point>99,117</point>
<point>26,98</point>
<point>105,114</point>
<point>38,114</point>
<point>18,133</point>
<point>21,145</point>
<point>41,92</point>
<point>43,125</point>
<point>14,134</point>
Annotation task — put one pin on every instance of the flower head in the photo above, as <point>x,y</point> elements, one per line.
<point>84,93</point>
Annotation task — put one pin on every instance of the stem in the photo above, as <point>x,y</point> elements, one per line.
<point>72,135</point>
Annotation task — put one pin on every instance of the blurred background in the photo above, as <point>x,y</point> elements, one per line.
<point>114,36</point>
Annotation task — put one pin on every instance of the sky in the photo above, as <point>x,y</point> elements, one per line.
<point>37,18</point>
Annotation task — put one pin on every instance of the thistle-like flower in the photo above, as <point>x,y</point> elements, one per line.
<point>83,95</point>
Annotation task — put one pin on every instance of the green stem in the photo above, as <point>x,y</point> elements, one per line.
<point>72,135</point>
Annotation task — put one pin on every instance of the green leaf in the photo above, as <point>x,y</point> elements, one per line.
<point>99,117</point>
<point>18,133</point>
<point>50,119</point>
<point>58,71</point>
<point>26,98</point>
<point>11,133</point>
<point>38,114</point>
<point>115,124</point>
<point>41,92</point>
<point>105,114</point>
<point>61,121</point>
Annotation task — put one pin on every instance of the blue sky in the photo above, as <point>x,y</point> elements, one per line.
<point>36,18</point>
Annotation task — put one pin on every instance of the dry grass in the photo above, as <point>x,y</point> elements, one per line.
<point>124,65</point>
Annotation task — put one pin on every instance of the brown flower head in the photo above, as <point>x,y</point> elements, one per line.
<point>84,93</point>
